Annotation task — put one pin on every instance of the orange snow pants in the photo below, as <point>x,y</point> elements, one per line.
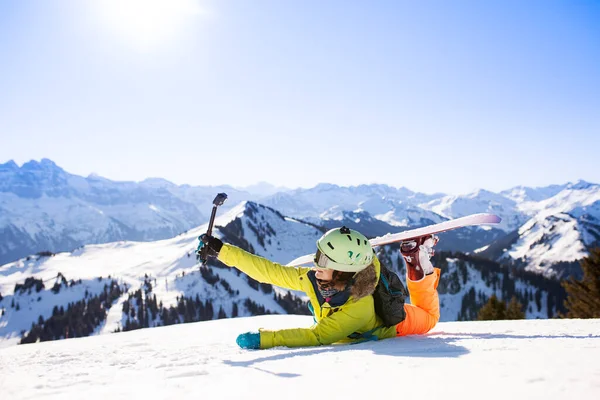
<point>424,311</point>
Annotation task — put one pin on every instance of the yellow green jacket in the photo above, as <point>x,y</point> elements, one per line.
<point>348,313</point>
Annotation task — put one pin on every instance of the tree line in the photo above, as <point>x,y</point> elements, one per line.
<point>576,298</point>
<point>79,319</point>
<point>571,298</point>
<point>143,310</point>
<point>502,280</point>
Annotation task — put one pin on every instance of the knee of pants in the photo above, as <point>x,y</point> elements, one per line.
<point>418,321</point>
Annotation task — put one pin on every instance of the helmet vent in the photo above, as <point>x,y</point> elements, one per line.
<point>345,249</point>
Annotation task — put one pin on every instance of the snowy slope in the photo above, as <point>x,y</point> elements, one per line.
<point>167,270</point>
<point>480,201</point>
<point>42,207</point>
<point>467,283</point>
<point>170,265</point>
<point>558,234</point>
<point>580,196</point>
<point>522,194</point>
<point>545,242</point>
<point>399,213</point>
<point>375,199</point>
<point>263,189</point>
<point>535,359</point>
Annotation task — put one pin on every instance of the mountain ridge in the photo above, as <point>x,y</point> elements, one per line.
<point>61,211</point>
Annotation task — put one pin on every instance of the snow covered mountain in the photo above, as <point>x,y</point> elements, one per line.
<point>325,200</point>
<point>124,285</point>
<point>44,208</point>
<point>480,201</point>
<point>200,197</point>
<point>263,189</point>
<point>558,234</point>
<point>146,284</point>
<point>497,360</point>
<point>522,194</point>
<point>467,283</point>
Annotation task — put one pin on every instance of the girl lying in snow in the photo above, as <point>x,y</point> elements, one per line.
<point>340,288</point>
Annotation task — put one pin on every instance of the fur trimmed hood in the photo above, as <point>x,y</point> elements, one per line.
<point>365,282</point>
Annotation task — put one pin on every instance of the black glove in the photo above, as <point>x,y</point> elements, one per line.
<point>209,246</point>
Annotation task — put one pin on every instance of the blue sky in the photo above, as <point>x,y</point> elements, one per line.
<point>436,96</point>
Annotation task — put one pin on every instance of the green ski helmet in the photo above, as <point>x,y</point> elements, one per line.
<point>343,249</point>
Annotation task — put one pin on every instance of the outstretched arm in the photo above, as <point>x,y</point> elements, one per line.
<point>260,268</point>
<point>329,330</point>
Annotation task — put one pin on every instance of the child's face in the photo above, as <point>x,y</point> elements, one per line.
<point>323,274</point>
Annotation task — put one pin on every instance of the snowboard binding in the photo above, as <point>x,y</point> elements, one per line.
<point>417,254</point>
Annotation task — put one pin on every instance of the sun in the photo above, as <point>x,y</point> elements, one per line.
<point>145,23</point>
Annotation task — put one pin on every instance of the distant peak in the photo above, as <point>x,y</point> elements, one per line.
<point>48,162</point>
<point>370,185</point>
<point>481,192</point>
<point>326,186</point>
<point>10,165</point>
<point>251,208</point>
<point>44,164</point>
<point>30,164</point>
<point>580,184</point>
<point>161,182</point>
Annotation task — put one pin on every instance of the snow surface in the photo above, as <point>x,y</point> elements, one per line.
<point>522,194</point>
<point>480,201</point>
<point>545,241</point>
<point>579,194</point>
<point>526,359</point>
<point>561,228</point>
<point>325,200</point>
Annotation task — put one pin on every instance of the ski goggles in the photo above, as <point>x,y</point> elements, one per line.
<point>321,260</point>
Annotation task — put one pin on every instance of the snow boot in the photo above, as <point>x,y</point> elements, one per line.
<point>417,254</point>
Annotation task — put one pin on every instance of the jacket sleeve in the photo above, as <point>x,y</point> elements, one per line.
<point>260,268</point>
<point>329,330</point>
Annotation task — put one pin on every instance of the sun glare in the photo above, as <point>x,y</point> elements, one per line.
<point>146,23</point>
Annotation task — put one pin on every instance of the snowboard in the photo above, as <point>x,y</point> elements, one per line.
<point>469,220</point>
